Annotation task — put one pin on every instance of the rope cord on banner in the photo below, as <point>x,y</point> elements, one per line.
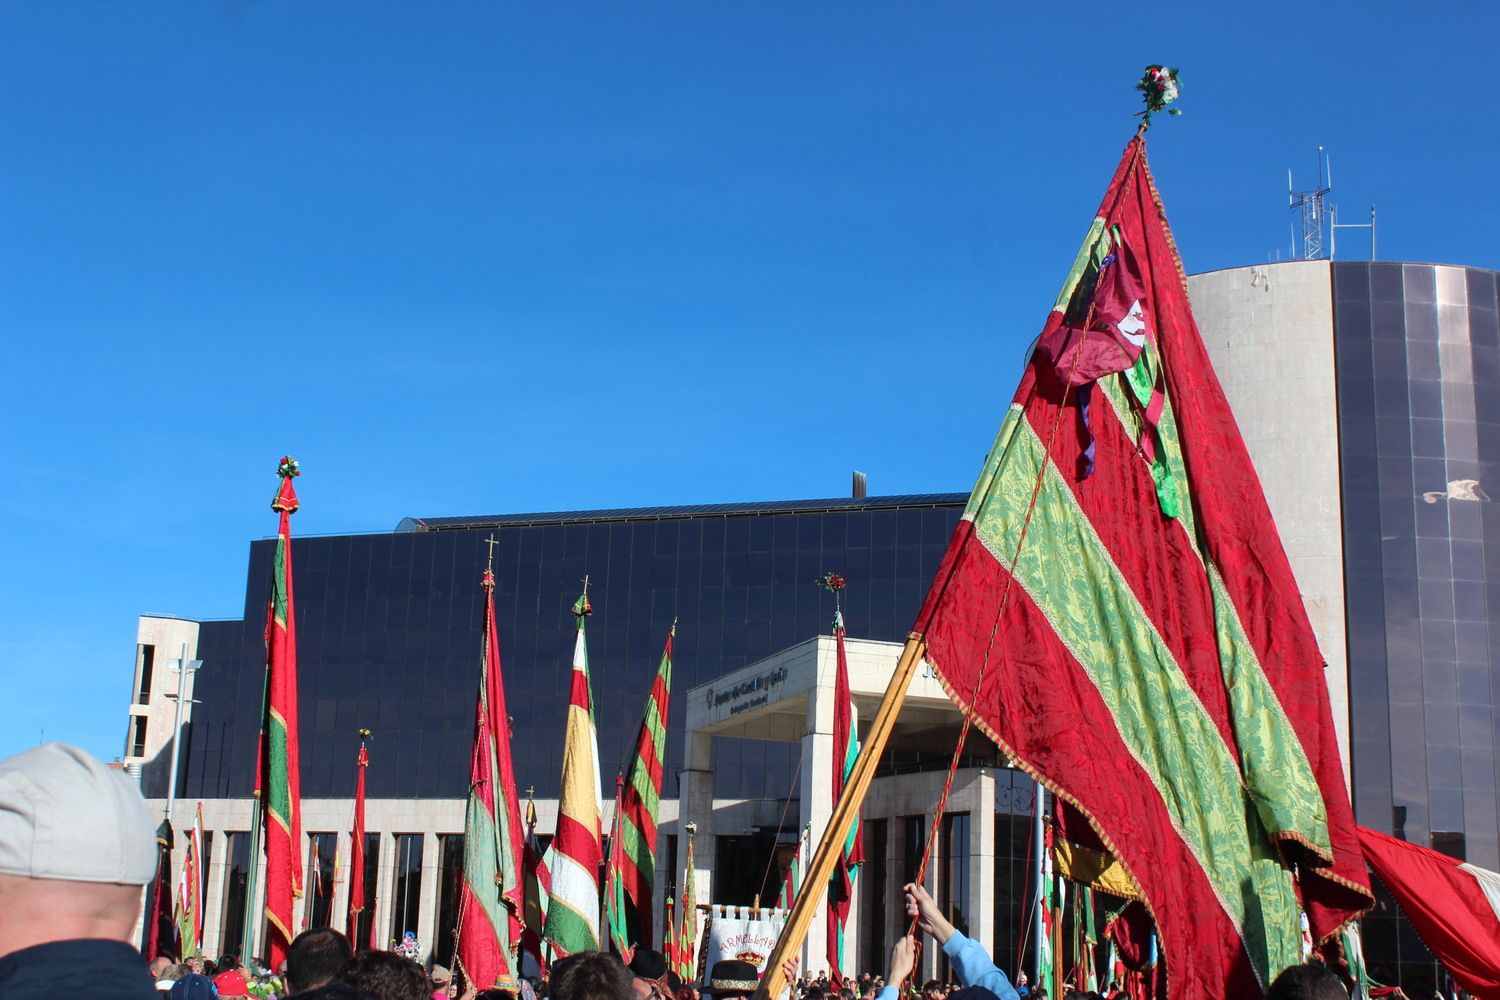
<point>963,734</point>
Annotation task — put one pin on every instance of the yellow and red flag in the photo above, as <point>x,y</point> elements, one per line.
<point>576,852</point>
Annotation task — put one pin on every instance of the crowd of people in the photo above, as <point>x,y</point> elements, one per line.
<point>77,844</point>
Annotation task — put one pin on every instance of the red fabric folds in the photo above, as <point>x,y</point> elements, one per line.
<point>1447,903</point>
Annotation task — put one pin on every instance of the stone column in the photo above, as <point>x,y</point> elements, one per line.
<point>213,892</point>
<point>696,805</point>
<point>816,800</point>
<point>982,861</point>
<point>385,892</point>
<point>431,877</point>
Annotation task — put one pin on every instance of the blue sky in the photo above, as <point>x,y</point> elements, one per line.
<point>478,257</point>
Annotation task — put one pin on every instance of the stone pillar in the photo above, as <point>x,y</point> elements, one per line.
<point>982,861</point>
<point>696,805</point>
<point>431,877</point>
<point>343,881</point>
<point>385,891</point>
<point>213,893</point>
<point>816,800</point>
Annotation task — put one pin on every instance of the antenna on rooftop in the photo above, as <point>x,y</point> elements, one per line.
<point>1309,208</point>
<point>1317,217</point>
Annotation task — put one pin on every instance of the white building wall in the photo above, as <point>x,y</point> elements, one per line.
<point>1269,333</point>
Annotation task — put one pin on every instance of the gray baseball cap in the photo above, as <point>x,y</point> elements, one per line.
<point>64,815</point>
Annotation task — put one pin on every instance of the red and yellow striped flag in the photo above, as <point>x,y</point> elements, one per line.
<point>278,783</point>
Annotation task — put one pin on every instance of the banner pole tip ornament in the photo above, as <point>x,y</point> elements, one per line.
<point>286,497</point>
<point>1159,86</point>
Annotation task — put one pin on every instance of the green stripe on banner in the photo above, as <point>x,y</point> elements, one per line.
<point>1276,768</point>
<point>278,789</point>
<point>567,928</point>
<point>1094,613</point>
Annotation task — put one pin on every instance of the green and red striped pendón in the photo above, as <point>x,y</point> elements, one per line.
<point>1116,611</point>
<point>278,781</point>
<point>635,865</point>
<point>492,900</point>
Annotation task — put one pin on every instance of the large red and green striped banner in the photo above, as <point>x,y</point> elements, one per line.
<point>357,849</point>
<point>575,855</point>
<point>638,805</point>
<point>1116,611</point>
<point>845,752</point>
<point>279,784</point>
<point>493,892</point>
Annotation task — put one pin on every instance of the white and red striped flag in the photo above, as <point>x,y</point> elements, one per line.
<point>1455,907</point>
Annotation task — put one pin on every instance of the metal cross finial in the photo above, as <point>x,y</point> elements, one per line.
<point>585,583</point>
<point>530,791</point>
<point>491,542</point>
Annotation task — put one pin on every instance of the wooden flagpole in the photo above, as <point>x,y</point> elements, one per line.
<point>815,879</point>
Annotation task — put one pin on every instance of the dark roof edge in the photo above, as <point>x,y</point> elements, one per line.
<point>698,510</point>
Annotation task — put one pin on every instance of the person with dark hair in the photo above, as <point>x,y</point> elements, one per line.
<point>385,975</point>
<point>731,977</point>
<point>315,959</point>
<point>1309,981</point>
<point>590,975</point>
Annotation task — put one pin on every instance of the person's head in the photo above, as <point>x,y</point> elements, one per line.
<point>648,970</point>
<point>732,978</point>
<point>315,958</point>
<point>1021,978</point>
<point>76,845</point>
<point>591,975</point>
<point>1309,981</point>
<point>192,987</point>
<point>933,990</point>
<point>440,975</point>
<point>159,966</point>
<point>387,975</point>
<point>846,994</point>
<point>231,984</point>
<point>195,962</point>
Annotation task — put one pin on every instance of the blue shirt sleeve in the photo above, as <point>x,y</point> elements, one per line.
<point>887,992</point>
<point>974,967</point>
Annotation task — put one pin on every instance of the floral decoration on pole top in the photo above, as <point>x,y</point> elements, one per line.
<point>285,500</point>
<point>832,582</point>
<point>1159,86</point>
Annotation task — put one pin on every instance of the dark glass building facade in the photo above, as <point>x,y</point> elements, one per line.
<point>1418,379</point>
<point>389,631</point>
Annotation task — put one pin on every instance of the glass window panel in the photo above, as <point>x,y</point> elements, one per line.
<point>450,888</point>
<point>406,903</point>
<point>236,880</point>
<point>319,878</point>
<point>365,930</point>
